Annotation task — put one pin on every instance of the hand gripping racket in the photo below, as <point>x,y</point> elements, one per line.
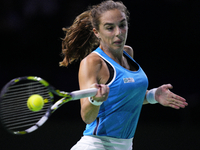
<point>14,113</point>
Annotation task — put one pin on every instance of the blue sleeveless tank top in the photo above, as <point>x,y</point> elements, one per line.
<point>118,115</point>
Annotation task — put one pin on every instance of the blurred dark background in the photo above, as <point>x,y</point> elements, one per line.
<point>165,37</point>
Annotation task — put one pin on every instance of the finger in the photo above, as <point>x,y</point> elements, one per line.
<point>174,103</point>
<point>102,89</point>
<point>102,92</point>
<point>105,90</point>
<point>179,100</point>
<point>96,85</point>
<point>171,95</point>
<point>108,89</point>
<point>168,86</point>
<point>174,106</point>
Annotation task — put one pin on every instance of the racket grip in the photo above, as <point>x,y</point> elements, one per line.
<point>83,93</point>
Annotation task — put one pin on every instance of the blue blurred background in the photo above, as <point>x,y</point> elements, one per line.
<point>165,37</point>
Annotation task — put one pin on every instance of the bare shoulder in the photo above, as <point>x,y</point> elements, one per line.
<point>89,70</point>
<point>90,65</point>
<point>129,50</point>
<point>92,60</point>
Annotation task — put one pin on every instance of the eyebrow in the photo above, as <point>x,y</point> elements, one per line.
<point>113,23</point>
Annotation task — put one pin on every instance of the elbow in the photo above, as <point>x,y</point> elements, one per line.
<point>87,117</point>
<point>87,120</point>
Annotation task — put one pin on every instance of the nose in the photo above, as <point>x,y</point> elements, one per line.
<point>118,31</point>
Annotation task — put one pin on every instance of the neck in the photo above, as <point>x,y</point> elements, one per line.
<point>116,55</point>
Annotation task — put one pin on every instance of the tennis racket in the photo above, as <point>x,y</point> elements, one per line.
<point>14,113</point>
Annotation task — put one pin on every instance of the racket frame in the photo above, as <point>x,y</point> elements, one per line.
<point>66,97</point>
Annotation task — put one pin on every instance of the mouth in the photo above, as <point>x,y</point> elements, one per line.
<point>118,42</point>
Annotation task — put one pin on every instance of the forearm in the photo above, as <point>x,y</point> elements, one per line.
<point>89,111</point>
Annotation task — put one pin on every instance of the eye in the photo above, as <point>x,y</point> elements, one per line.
<point>110,28</point>
<point>123,25</point>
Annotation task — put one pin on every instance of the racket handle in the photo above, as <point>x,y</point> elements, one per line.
<point>83,93</point>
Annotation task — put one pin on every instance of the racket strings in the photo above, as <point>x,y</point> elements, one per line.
<point>28,87</point>
<point>15,114</point>
<point>19,117</point>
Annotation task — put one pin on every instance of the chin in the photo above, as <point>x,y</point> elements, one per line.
<point>119,46</point>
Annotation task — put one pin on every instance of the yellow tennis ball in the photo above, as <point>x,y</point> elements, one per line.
<point>35,102</point>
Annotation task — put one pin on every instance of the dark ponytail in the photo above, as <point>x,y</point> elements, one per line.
<point>79,40</point>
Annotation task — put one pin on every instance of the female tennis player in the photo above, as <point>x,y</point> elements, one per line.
<point>112,114</point>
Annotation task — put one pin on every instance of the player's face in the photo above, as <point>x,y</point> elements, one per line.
<point>113,29</point>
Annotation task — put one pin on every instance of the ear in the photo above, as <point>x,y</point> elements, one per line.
<point>96,33</point>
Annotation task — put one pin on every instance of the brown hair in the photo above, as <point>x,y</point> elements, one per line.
<point>80,40</point>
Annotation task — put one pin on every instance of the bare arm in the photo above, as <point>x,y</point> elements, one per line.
<point>165,97</point>
<point>88,77</point>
